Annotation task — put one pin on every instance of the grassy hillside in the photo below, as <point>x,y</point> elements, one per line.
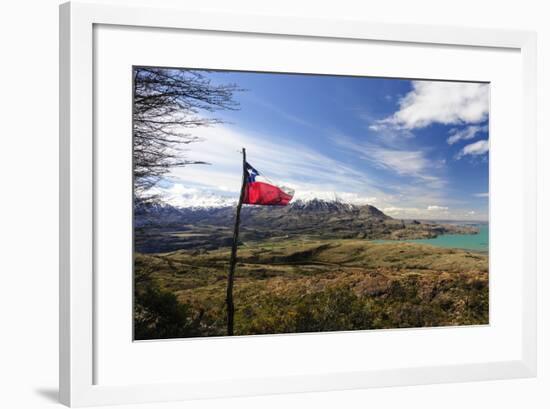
<point>300,285</point>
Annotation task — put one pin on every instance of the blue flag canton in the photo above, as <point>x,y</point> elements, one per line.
<point>252,173</point>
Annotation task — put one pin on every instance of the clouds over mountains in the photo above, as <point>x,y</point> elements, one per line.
<point>349,142</point>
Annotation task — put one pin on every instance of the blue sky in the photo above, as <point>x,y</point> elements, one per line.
<point>414,149</point>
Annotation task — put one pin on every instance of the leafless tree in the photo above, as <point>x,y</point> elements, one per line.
<point>168,104</point>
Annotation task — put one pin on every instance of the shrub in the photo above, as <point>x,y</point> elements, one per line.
<point>334,309</point>
<point>158,315</point>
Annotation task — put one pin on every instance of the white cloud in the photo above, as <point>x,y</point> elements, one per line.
<point>465,134</point>
<point>412,163</point>
<point>412,213</point>
<point>474,149</point>
<point>441,213</point>
<point>486,194</point>
<point>179,189</point>
<point>439,102</point>
<point>401,161</point>
<point>395,210</point>
<point>346,197</point>
<point>182,196</point>
<point>308,172</point>
<point>436,208</point>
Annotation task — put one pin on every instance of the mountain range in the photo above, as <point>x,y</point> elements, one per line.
<point>163,227</point>
<point>155,213</point>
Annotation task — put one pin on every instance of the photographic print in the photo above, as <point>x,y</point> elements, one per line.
<point>278,203</point>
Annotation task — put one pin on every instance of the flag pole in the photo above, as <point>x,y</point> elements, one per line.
<point>233,260</point>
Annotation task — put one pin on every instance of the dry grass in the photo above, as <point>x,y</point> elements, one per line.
<point>314,285</point>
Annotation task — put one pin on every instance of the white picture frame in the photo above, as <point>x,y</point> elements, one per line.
<point>77,240</point>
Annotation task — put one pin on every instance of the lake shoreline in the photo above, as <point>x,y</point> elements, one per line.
<point>478,242</point>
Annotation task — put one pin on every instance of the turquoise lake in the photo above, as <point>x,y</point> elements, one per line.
<point>478,242</point>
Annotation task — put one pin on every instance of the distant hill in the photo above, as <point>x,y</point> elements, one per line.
<point>163,227</point>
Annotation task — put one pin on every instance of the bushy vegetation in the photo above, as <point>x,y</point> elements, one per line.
<point>333,309</point>
<point>159,315</point>
<point>292,287</point>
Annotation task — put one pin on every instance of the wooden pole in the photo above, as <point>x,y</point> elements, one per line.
<point>233,260</point>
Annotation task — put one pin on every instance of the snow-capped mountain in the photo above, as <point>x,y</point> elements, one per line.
<point>222,212</point>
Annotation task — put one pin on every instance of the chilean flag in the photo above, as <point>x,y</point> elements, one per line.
<point>261,193</point>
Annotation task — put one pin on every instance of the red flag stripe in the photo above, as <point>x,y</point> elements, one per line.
<point>260,193</point>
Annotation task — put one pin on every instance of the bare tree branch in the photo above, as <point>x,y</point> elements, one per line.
<point>167,104</point>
